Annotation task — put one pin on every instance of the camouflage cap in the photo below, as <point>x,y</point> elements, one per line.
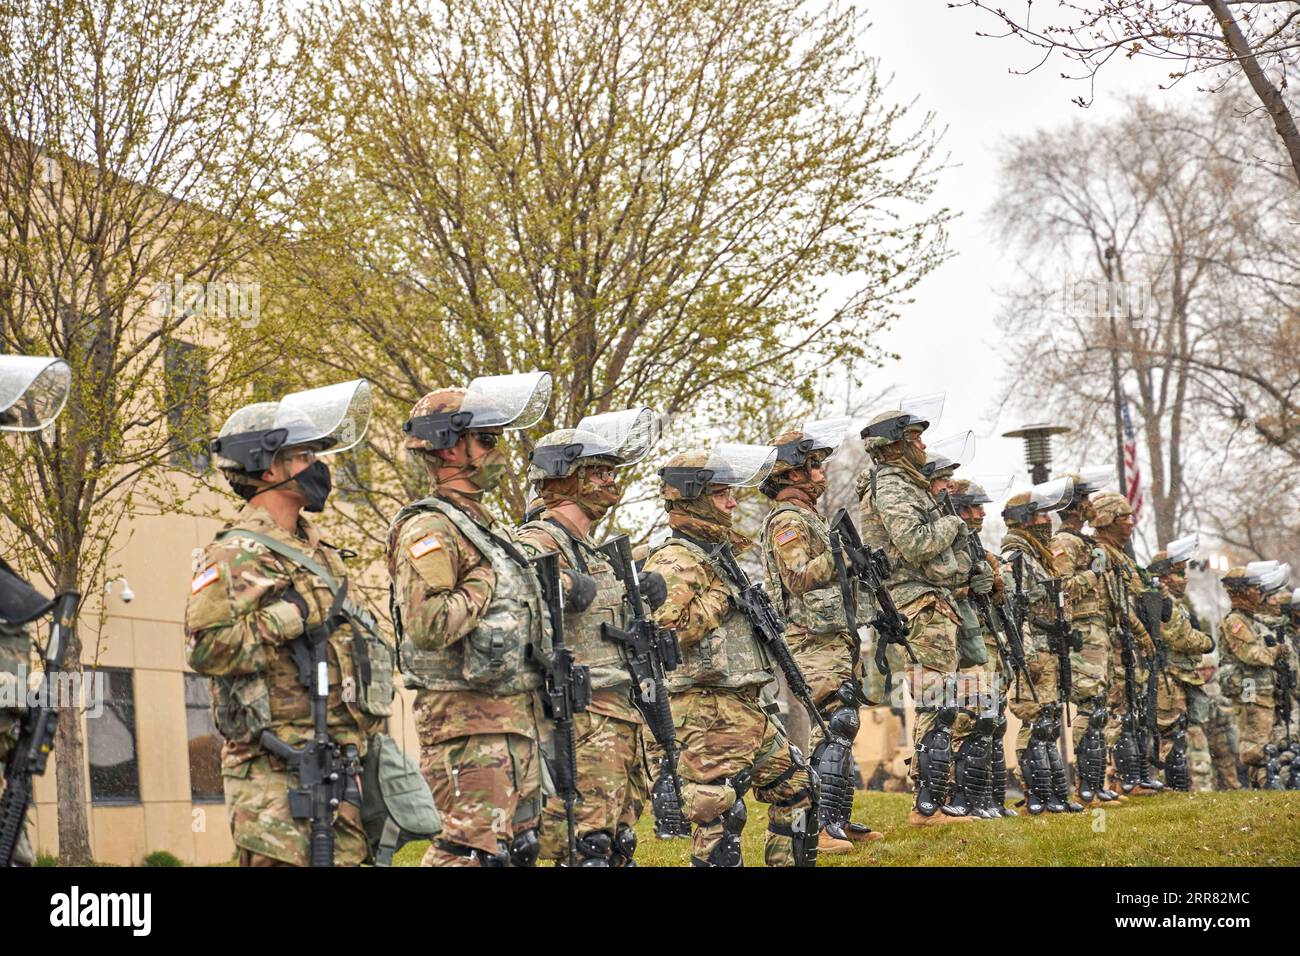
<point>794,451</point>
<point>1018,510</point>
<point>682,490</point>
<point>1107,506</point>
<point>1239,579</point>
<point>560,453</point>
<point>890,426</point>
<point>966,493</point>
<point>440,400</point>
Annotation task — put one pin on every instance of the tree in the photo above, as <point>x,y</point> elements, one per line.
<point>139,147</point>
<point>646,199</point>
<point>1220,39</point>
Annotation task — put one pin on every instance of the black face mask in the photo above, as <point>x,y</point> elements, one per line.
<point>316,484</point>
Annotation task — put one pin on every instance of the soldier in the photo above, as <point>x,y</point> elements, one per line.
<point>33,391</point>
<point>1222,772</point>
<point>575,474</point>
<point>267,590</point>
<point>1028,560</point>
<point>467,604</point>
<point>1112,521</point>
<point>806,587</point>
<point>729,740</point>
<point>1079,562</point>
<point>1185,646</point>
<point>900,515</point>
<point>1246,672</point>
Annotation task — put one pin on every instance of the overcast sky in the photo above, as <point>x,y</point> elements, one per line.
<point>963,79</point>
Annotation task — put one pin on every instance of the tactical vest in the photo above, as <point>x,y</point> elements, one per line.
<point>491,658</point>
<point>1234,672</point>
<point>1183,664</point>
<point>582,631</point>
<point>820,610</point>
<point>1041,610</point>
<point>1086,602</point>
<point>244,705</point>
<point>728,656</point>
<point>939,575</point>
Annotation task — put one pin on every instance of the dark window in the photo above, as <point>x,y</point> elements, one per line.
<point>204,741</point>
<point>110,737</point>
<point>185,372</point>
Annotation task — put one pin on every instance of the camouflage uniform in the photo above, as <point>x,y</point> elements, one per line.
<point>15,658</point>
<point>1018,546</point>
<point>722,726</point>
<point>1088,600</point>
<point>1246,676</point>
<point>610,757</point>
<point>238,627</point>
<point>477,717</point>
<point>1184,647</point>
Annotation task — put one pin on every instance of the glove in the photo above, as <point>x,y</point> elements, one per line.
<point>1166,610</point>
<point>1099,563</point>
<point>581,592</point>
<point>291,595</point>
<point>981,580</point>
<point>654,589</point>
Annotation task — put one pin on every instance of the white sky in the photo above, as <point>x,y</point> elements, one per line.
<point>963,79</point>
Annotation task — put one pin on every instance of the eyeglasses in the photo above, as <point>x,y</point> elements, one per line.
<point>602,473</point>
<point>488,440</point>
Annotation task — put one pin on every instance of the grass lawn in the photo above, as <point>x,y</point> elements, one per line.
<point>1169,829</point>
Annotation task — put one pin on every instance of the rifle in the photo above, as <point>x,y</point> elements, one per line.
<point>566,691</point>
<point>1128,652</point>
<point>36,731</point>
<point>1010,649</point>
<point>871,569</point>
<point>1061,639</point>
<point>327,773</point>
<point>1285,680</point>
<point>651,651</point>
<point>1151,612</point>
<point>768,627</point>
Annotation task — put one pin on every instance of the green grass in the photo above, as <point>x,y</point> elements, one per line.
<point>1169,829</point>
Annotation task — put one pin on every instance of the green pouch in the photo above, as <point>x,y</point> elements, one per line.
<point>396,805</point>
<point>970,639</point>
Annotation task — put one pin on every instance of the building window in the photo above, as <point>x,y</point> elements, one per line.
<point>110,738</point>
<point>204,741</point>
<point>185,374</point>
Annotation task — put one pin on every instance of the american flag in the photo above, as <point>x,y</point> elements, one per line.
<point>1132,471</point>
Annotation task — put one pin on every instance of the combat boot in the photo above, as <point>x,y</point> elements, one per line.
<point>829,844</point>
<point>918,819</point>
<point>861,833</point>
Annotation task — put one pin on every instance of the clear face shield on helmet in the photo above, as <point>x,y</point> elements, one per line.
<point>926,408</point>
<point>330,419</point>
<point>509,402</point>
<point>559,459</point>
<point>1183,549</point>
<point>632,433</point>
<point>1261,569</point>
<point>1044,498</point>
<point>729,463</point>
<point>33,391</point>
<point>1094,478</point>
<point>822,435</point>
<point>1275,580</point>
<point>951,452</point>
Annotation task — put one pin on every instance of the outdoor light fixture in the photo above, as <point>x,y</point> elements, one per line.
<point>1038,447</point>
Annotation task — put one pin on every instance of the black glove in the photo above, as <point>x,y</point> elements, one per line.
<point>582,591</point>
<point>654,589</point>
<point>1166,610</point>
<point>297,600</point>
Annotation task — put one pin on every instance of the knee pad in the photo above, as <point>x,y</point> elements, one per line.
<point>833,765</point>
<point>499,859</point>
<point>524,848</point>
<point>595,848</point>
<point>803,832</point>
<point>624,846</point>
<point>933,764</point>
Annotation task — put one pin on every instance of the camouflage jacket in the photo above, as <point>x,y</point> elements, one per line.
<point>1119,563</point>
<point>239,626</point>
<point>801,574</point>
<point>1185,645</point>
<point>1245,659</point>
<point>1017,549</point>
<point>1072,556</point>
<point>717,643</point>
<point>900,515</point>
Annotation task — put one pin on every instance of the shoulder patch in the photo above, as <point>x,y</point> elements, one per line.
<point>1237,625</point>
<point>204,579</point>
<point>425,546</point>
<point>788,534</point>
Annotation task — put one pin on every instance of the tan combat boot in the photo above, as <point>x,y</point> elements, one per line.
<point>829,844</point>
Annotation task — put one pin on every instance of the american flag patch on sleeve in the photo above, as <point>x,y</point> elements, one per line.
<point>204,579</point>
<point>787,535</point>
<point>424,546</point>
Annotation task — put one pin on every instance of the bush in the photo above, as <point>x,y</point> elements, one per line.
<point>161,858</point>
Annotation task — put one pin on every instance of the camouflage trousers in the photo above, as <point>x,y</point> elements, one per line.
<point>263,828</point>
<point>1043,670</point>
<point>611,783</point>
<point>1090,675</point>
<point>487,787</point>
<point>1257,727</point>
<point>826,662</point>
<point>1211,741</point>
<point>720,733</point>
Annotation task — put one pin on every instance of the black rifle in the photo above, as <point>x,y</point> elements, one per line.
<point>1152,610</point>
<point>1133,720</point>
<point>1007,637</point>
<point>768,627</point>
<point>871,569</point>
<point>651,651</point>
<point>327,773</point>
<point>566,691</point>
<point>36,731</point>
<point>1061,640</point>
<point>1284,677</point>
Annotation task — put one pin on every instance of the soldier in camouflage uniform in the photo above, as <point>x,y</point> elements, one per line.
<point>574,472</point>
<point>806,588</point>
<point>729,740</point>
<point>1185,645</point>
<point>900,515</point>
<point>257,599</point>
<point>1218,769</point>
<point>1246,672</point>
<point>36,389</point>
<point>1113,522</point>
<point>468,604</point>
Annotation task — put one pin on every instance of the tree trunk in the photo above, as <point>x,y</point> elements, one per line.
<point>70,755</point>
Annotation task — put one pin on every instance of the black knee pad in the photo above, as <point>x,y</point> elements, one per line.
<point>525,848</point>
<point>624,846</point>
<point>594,848</point>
